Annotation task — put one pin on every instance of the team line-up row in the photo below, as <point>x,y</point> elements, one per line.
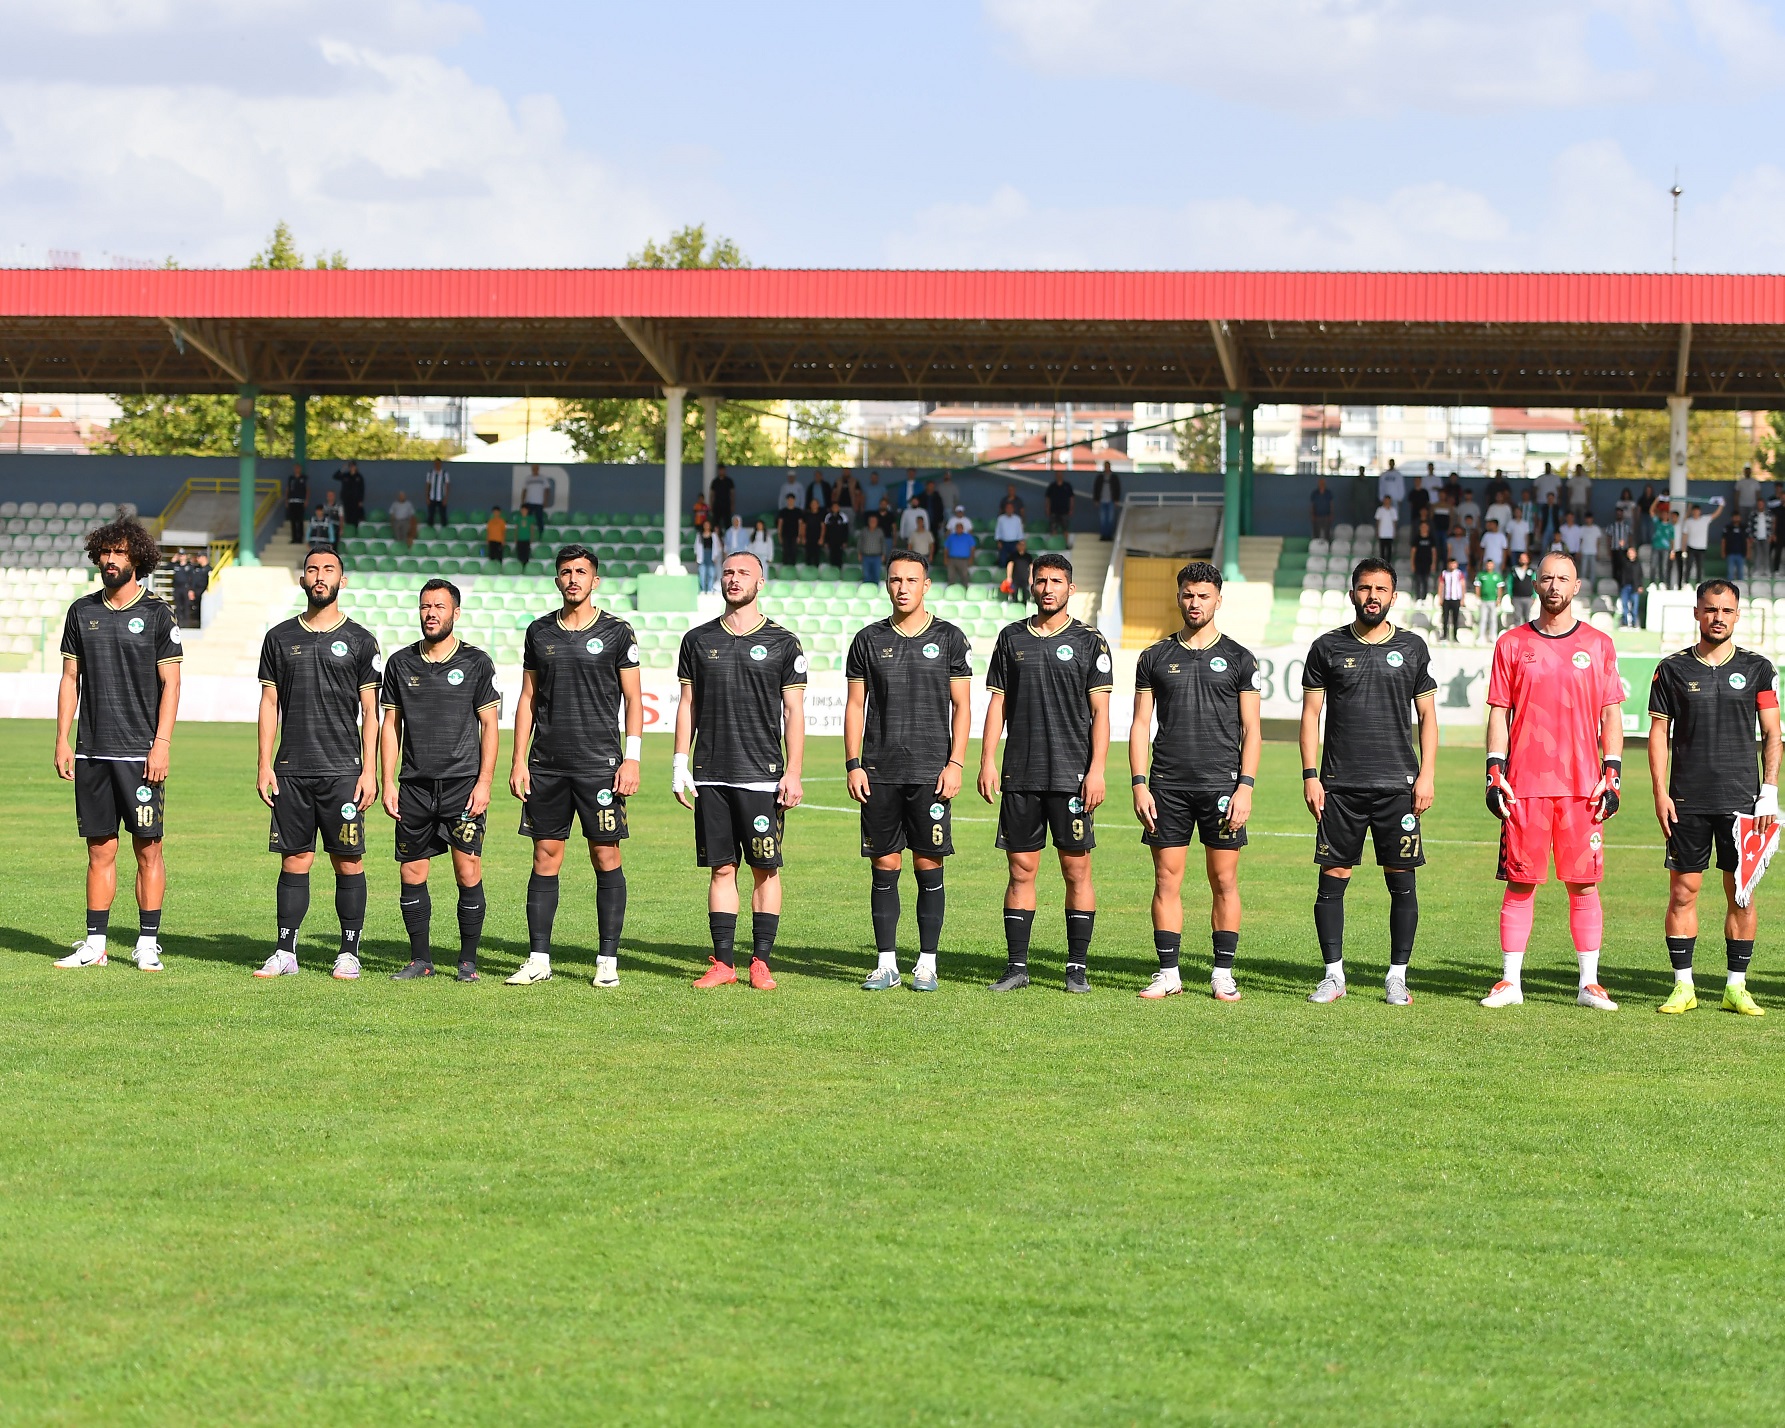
<point>341,729</point>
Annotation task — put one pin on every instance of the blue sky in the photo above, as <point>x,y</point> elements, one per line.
<point>1119,133</point>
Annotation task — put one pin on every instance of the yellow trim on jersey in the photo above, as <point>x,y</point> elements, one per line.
<point>1029,625</point>
<point>493,704</point>
<point>318,630</point>
<point>743,634</point>
<point>172,659</point>
<point>594,619</point>
<point>915,633</point>
<point>457,645</point>
<point>141,590</point>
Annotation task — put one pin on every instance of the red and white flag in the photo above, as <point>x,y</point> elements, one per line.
<point>1754,850</point>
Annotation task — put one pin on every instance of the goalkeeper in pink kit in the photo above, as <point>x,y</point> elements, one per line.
<point>1555,745</point>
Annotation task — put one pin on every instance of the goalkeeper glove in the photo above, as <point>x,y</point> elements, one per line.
<point>1499,792</point>
<point>1605,794</point>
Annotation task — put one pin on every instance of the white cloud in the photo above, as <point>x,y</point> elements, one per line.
<point>1378,56</point>
<point>1594,211</point>
<point>353,131</point>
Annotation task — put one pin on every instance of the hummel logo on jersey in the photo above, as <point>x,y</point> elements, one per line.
<point>1350,663</point>
<point>886,653</point>
<point>297,651</point>
<point>1171,669</point>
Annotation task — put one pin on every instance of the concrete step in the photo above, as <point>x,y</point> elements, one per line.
<point>248,600</point>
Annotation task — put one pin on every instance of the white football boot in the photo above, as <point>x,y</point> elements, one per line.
<point>280,964</point>
<point>346,968</point>
<point>607,972</point>
<point>86,953</point>
<point>147,956</point>
<point>1595,996</point>
<point>537,968</point>
<point>1505,994</point>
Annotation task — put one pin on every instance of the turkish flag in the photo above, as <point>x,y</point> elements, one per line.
<point>1754,850</point>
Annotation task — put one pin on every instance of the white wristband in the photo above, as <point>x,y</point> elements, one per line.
<point>635,746</point>
<point>1767,805</point>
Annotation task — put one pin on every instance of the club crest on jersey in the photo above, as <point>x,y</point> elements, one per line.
<point>1580,659</point>
<point>1062,652</point>
<point>1408,823</point>
<point>936,810</point>
<point>759,652</point>
<point>349,812</point>
<point>136,625</point>
<point>930,651</point>
<point>1075,804</point>
<point>761,825</point>
<point>1395,659</point>
<point>1738,680</point>
<point>338,649</point>
<point>1596,842</point>
<point>143,793</point>
<point>605,797</point>
<point>1217,664</point>
<point>595,646</point>
<point>455,676</point>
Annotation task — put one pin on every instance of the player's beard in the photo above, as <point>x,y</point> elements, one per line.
<point>1195,626</point>
<point>320,602</point>
<point>1560,603</point>
<point>1716,642</point>
<point>114,579</point>
<point>432,640</point>
<point>1365,618</point>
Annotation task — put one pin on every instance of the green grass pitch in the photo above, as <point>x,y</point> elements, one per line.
<point>229,1201</point>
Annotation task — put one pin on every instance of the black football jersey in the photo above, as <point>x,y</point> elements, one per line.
<point>910,717</point>
<point>735,682</point>
<point>1047,682</point>
<point>438,702</point>
<point>1711,712</point>
<point>576,692</point>
<point>120,652</point>
<point>1196,699</point>
<point>1370,694</point>
<point>319,675</point>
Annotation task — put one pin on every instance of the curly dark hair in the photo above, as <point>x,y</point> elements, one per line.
<point>145,555</point>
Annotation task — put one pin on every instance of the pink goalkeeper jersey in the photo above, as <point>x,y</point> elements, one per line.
<point>1556,687</point>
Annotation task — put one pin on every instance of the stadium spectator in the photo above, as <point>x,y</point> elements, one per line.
<point>787,527</point>
<point>1521,585</point>
<point>331,509</point>
<point>1760,538</point>
<point>321,530</point>
<point>176,574</point>
<point>438,489</point>
<point>1451,585</point>
<point>1625,509</point>
<point>1591,537</point>
<point>1499,508</point>
<point>1467,510</point>
<point>197,583</point>
<point>958,548</point>
<point>872,548</point>
<point>1008,532</point>
<point>1666,568</point>
<point>722,497</point>
<point>1697,537</point>
<point>1518,531</point>
<point>1548,485</point>
<point>1570,534</point>
<point>836,532</point>
<point>1629,587</point>
<point>1747,493</point>
<point>762,544</point>
<point>819,490</point>
<point>734,538</point>
<point>1580,492</point>
<point>932,505</point>
<point>495,535</point>
<point>1017,571</point>
<point>1488,586</point>
<point>709,553</point>
<point>1392,485</point>
<point>908,488</point>
<point>1320,511</point>
<point>1619,535</point>
<point>1645,514</point>
<point>914,512</point>
<point>812,531</point>
<point>849,492</point>
<point>1106,490</point>
<point>1016,501</point>
<point>403,520</point>
<point>791,490</point>
<point>533,499</point>
<point>1060,499</point>
<point>353,493</point>
<point>950,491</point>
<point>1456,548</point>
<point>700,513</point>
<point>1493,544</point>
<point>1387,519</point>
<point>1549,517</point>
<point>922,542</point>
<point>1425,560</point>
<point>297,500</point>
<point>1735,549</point>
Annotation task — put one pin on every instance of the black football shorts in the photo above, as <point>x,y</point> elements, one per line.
<point>553,799</point>
<point>108,792</point>
<point>733,825</point>
<point>431,819</point>
<point>1180,813</point>
<point>1027,820</point>
<point>1386,814</point>
<point>304,807</point>
<point>1694,835</point>
<point>898,816</point>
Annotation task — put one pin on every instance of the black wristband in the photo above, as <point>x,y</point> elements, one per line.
<point>1615,761</point>
<point>1499,759</point>
<point>1137,780</point>
<point>851,765</point>
<point>1310,773</point>
<point>1248,780</point>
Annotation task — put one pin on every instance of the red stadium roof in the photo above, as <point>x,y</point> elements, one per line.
<point>1480,338</point>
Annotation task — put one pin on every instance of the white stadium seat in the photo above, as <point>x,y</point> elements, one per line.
<point>27,508</point>
<point>87,510</point>
<point>66,509</point>
<point>107,510</point>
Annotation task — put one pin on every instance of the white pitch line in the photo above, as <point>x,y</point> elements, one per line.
<point>1273,833</point>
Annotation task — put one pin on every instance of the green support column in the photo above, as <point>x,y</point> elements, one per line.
<point>1232,429</point>
<point>245,476</point>
<point>1246,473</point>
